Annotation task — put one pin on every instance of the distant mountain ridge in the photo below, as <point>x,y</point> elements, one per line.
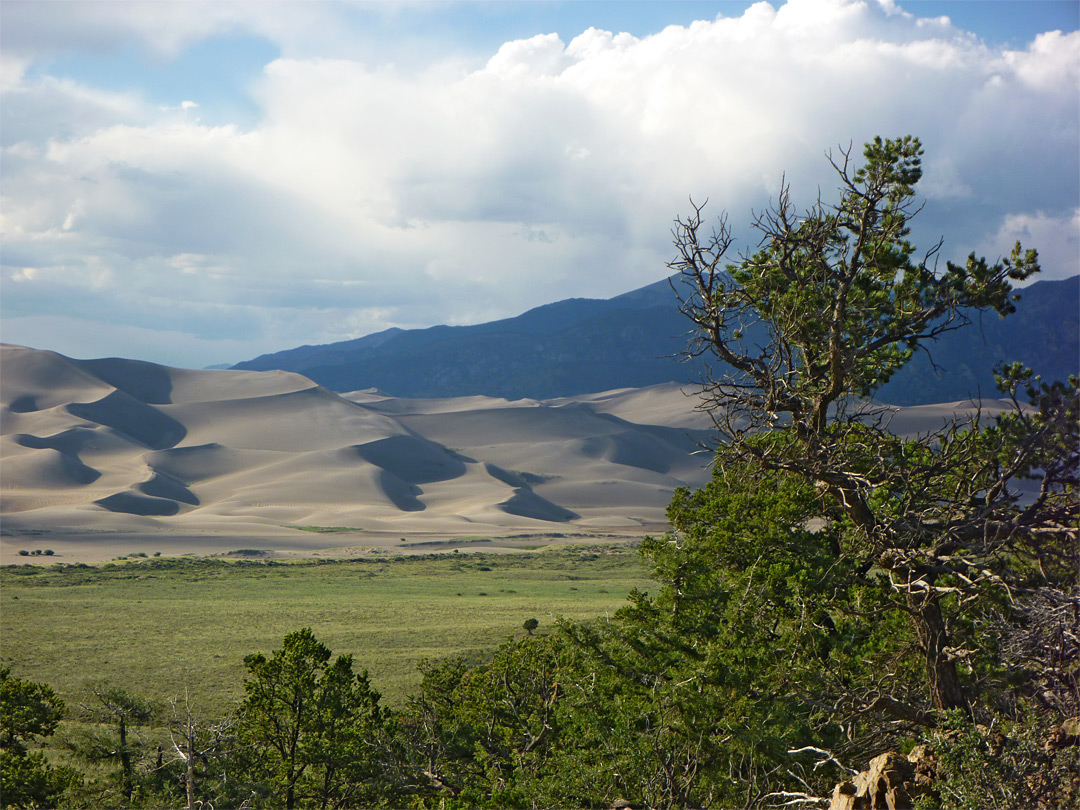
<point>633,340</point>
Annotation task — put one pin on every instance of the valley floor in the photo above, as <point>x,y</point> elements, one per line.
<point>70,546</point>
<point>160,626</point>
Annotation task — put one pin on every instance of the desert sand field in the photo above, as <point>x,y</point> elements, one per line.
<point>106,457</point>
<point>101,458</point>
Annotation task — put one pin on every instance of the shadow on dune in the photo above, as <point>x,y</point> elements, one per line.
<point>133,503</point>
<point>401,494</point>
<point>412,459</point>
<point>514,478</point>
<point>70,442</point>
<point>200,462</point>
<point>631,449</point>
<point>122,412</point>
<point>143,381</point>
<point>526,503</point>
<point>59,467</point>
<point>77,472</point>
<point>24,404</point>
<point>161,485</point>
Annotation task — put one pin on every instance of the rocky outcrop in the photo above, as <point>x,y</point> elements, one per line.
<point>1063,736</point>
<point>891,782</point>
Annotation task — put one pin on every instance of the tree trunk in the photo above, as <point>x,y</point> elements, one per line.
<point>941,675</point>
<point>189,775</point>
<point>125,762</point>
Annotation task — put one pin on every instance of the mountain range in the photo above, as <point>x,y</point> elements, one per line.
<point>578,346</point>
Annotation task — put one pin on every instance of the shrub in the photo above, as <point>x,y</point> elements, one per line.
<point>1007,764</point>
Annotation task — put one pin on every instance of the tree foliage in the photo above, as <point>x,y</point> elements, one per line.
<point>115,715</point>
<point>483,736</point>
<point>938,537</point>
<point>312,725</point>
<point>28,711</point>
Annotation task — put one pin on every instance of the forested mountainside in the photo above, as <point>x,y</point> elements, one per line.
<point>633,340</point>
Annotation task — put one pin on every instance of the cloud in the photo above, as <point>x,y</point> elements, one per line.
<point>37,110</point>
<point>370,195</point>
<point>163,28</point>
<point>12,70</point>
<point>1057,239</point>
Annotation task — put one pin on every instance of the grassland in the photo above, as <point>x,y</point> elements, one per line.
<point>159,626</point>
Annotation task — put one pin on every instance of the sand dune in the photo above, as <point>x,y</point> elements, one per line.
<point>44,380</point>
<point>97,452</point>
<point>112,448</point>
<point>671,405</point>
<point>920,420</point>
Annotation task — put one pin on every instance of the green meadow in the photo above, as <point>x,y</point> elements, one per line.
<point>160,627</point>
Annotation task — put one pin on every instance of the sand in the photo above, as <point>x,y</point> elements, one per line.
<point>103,458</point>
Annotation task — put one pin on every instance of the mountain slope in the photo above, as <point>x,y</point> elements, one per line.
<point>1043,334</point>
<point>580,346</point>
<point>570,347</point>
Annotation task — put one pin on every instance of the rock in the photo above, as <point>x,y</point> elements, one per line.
<point>843,797</point>
<point>925,766</point>
<point>891,782</point>
<point>1063,736</point>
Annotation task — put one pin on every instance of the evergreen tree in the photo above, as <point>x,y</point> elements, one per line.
<point>29,711</point>
<point>117,714</point>
<point>483,736</point>
<point>836,590</point>
<point>896,557</point>
<point>313,726</point>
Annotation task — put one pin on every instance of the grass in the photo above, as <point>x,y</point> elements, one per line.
<point>158,626</point>
<point>327,529</point>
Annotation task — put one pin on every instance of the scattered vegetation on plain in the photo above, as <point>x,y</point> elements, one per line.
<point>173,622</point>
<point>328,529</point>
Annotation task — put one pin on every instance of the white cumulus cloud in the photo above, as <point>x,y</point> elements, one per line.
<point>377,194</point>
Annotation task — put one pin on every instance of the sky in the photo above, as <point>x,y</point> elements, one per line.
<point>195,183</point>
